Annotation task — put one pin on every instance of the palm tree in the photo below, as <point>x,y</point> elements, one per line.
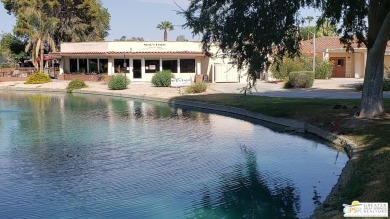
<point>165,25</point>
<point>309,19</point>
<point>36,23</point>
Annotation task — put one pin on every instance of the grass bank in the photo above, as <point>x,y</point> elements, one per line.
<point>368,176</point>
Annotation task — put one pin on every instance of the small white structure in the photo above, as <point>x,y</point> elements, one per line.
<point>141,60</point>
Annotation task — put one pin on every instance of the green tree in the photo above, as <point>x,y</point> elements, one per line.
<point>80,20</point>
<point>309,19</point>
<point>181,38</point>
<point>34,20</point>
<point>12,48</point>
<point>139,39</point>
<point>96,20</point>
<point>123,38</point>
<point>306,33</point>
<point>325,29</point>
<point>165,25</point>
<point>134,39</point>
<point>251,31</point>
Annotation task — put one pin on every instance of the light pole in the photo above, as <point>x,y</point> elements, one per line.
<point>314,52</point>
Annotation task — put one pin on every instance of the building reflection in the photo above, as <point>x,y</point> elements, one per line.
<point>126,109</point>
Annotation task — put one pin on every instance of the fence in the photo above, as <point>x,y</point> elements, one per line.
<point>17,72</point>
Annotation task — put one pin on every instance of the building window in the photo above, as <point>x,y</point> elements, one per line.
<point>82,65</point>
<point>340,62</point>
<point>187,65</point>
<point>152,66</point>
<point>119,67</point>
<point>170,65</point>
<point>103,65</point>
<point>73,65</point>
<point>93,66</point>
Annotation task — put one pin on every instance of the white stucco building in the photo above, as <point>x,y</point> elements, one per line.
<point>140,60</point>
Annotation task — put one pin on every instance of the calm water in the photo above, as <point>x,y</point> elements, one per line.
<point>96,157</point>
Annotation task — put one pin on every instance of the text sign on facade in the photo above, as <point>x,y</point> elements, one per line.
<point>180,82</point>
<point>154,46</point>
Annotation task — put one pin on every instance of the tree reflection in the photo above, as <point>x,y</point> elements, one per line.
<point>120,108</point>
<point>244,193</point>
<point>163,111</point>
<point>38,105</point>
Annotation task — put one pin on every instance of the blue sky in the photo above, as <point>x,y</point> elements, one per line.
<point>138,18</point>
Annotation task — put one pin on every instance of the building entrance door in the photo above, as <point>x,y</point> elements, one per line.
<point>137,69</point>
<point>338,67</point>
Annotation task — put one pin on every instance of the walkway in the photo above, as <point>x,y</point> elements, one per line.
<point>329,89</point>
<point>335,88</point>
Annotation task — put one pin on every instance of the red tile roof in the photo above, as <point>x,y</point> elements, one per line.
<point>170,53</point>
<point>329,42</point>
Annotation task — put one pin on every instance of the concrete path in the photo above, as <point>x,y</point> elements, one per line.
<point>336,88</point>
<point>329,89</point>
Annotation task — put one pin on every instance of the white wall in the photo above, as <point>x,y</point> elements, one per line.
<point>359,65</point>
<point>154,47</point>
<point>84,47</point>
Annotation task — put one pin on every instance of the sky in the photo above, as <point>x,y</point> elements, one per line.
<point>139,18</point>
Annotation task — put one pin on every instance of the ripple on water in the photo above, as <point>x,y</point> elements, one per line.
<point>91,157</point>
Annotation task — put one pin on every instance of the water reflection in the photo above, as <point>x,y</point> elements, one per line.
<point>245,193</point>
<point>85,156</point>
<point>127,109</point>
<point>39,105</point>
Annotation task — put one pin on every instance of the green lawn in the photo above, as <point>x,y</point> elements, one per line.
<point>369,177</point>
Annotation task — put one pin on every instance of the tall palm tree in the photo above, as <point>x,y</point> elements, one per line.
<point>36,22</point>
<point>165,25</point>
<point>309,19</point>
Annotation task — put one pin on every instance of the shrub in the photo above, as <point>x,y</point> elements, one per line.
<point>301,79</point>
<point>38,78</point>
<point>323,69</point>
<point>305,63</point>
<point>288,65</point>
<point>196,88</point>
<point>5,65</point>
<point>118,82</point>
<point>75,84</point>
<point>162,78</point>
